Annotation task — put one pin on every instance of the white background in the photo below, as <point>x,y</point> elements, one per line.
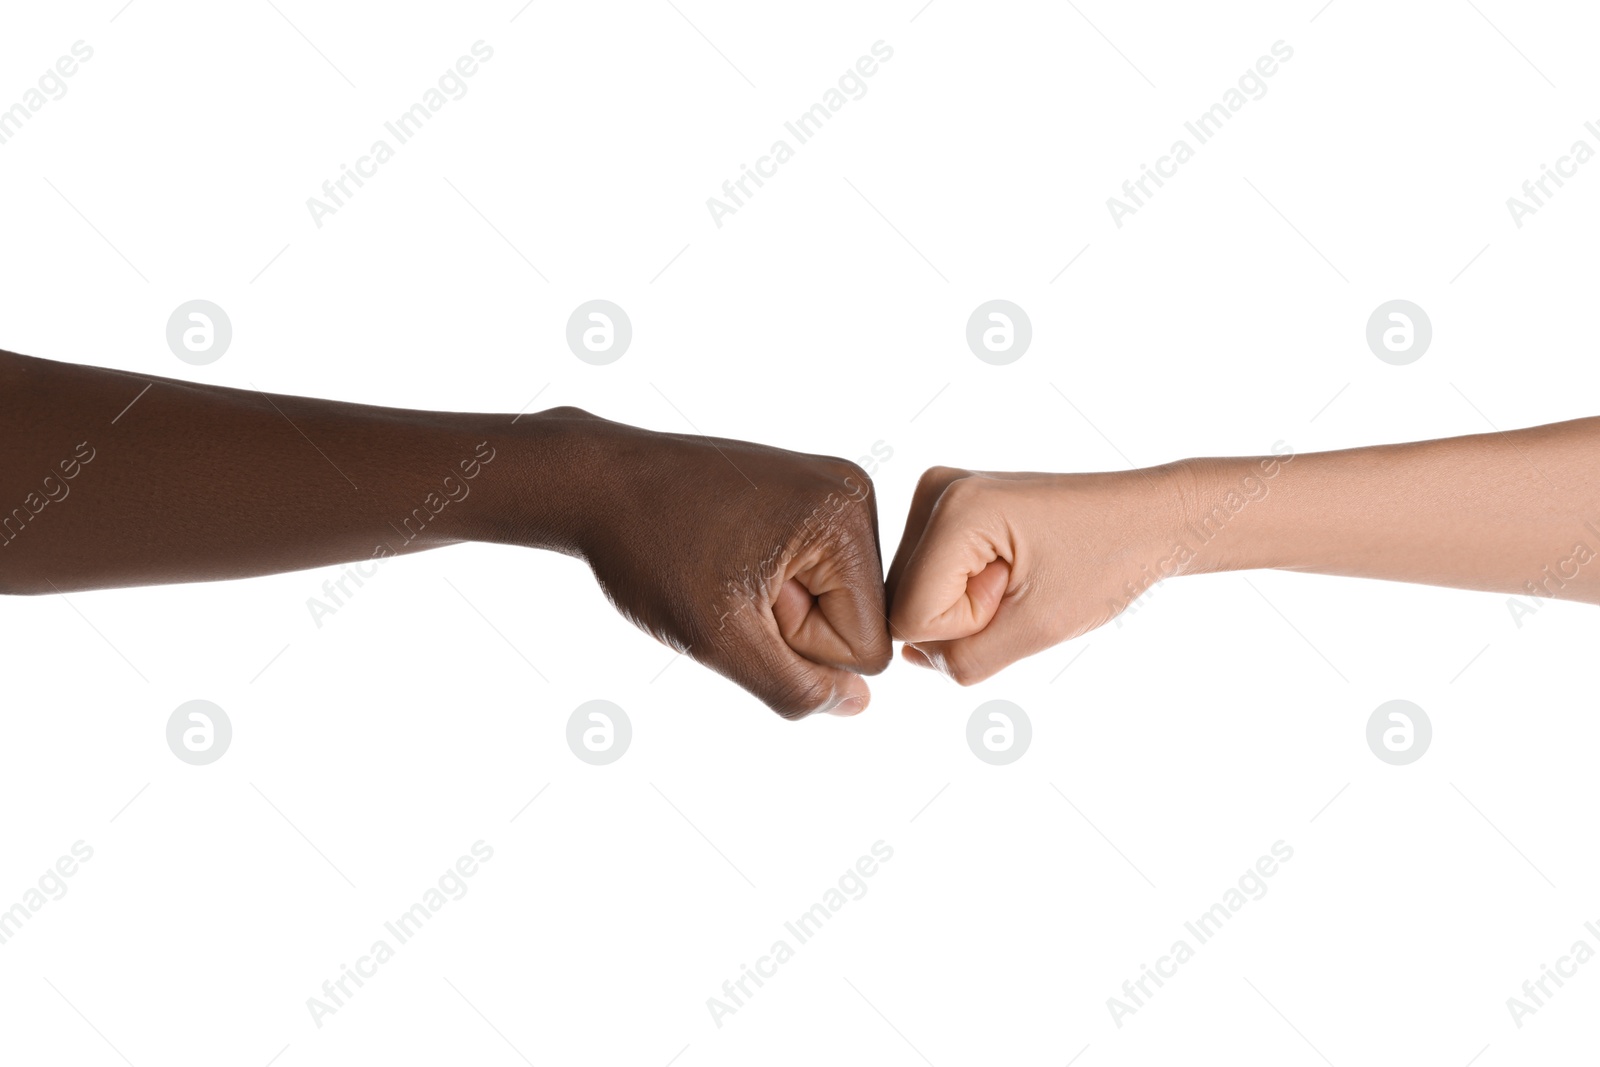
<point>826,315</point>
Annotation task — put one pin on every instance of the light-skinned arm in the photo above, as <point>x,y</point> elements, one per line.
<point>997,566</point>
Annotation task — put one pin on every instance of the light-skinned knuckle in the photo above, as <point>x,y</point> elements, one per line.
<point>901,625</point>
<point>962,494</point>
<point>935,477</point>
<point>963,668</point>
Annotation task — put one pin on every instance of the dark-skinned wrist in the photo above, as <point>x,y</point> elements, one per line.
<point>553,484</point>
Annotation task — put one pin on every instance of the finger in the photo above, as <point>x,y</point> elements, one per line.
<point>1019,628</point>
<point>930,487</point>
<point>787,682</point>
<point>831,610</point>
<point>954,579</point>
<point>807,628</point>
<point>970,611</point>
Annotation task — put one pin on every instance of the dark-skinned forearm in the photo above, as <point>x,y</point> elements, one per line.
<point>198,482</point>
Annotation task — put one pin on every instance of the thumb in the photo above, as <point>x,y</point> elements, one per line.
<point>976,607</point>
<point>1019,628</point>
<point>786,681</point>
<point>953,581</point>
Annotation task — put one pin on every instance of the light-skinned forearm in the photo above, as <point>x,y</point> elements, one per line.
<point>995,566</point>
<point>1515,512</point>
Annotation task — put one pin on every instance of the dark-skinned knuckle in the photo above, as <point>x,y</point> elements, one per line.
<point>792,709</point>
<point>847,478</point>
<point>569,411</point>
<point>844,468</point>
<point>852,543</point>
<point>799,693</point>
